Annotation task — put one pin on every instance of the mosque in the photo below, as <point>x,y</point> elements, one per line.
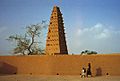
<point>56,42</point>
<point>57,61</point>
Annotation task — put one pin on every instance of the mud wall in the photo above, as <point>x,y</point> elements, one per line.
<point>60,64</point>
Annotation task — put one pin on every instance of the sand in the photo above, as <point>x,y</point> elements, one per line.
<point>55,78</point>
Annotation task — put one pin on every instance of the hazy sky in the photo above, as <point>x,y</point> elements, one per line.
<point>89,24</point>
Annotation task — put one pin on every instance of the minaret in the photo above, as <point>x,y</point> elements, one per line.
<point>56,42</point>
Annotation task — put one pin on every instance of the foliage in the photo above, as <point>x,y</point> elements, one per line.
<point>88,52</point>
<point>26,44</point>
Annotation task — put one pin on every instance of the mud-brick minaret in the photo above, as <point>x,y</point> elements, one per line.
<point>56,42</point>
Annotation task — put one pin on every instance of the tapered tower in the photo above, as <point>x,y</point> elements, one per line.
<point>56,42</point>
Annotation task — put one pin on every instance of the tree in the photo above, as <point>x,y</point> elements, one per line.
<point>88,52</point>
<point>26,44</point>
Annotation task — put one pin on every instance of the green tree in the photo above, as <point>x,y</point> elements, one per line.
<point>88,52</point>
<point>26,44</point>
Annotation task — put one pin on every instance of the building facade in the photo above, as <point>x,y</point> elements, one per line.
<point>56,42</point>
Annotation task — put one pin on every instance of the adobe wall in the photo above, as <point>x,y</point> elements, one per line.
<point>61,64</point>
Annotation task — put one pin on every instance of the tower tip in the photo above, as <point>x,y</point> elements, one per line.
<point>55,6</point>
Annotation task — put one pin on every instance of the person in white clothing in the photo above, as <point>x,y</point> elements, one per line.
<point>83,72</point>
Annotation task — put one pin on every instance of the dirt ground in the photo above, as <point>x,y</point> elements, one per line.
<point>56,78</point>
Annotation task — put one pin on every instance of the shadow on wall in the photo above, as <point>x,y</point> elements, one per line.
<point>6,68</point>
<point>99,71</point>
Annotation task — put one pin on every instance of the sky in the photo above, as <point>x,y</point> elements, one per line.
<point>89,24</point>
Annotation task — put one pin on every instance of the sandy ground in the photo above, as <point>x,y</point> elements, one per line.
<point>55,78</point>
